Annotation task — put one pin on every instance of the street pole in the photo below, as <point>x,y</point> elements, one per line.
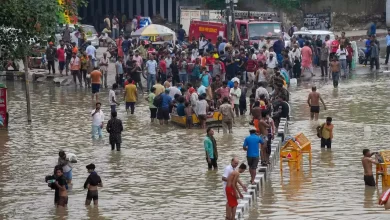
<point>235,31</point>
<point>228,25</point>
<point>27,90</point>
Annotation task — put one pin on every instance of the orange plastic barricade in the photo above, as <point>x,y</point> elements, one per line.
<point>304,143</point>
<point>382,168</point>
<point>292,153</point>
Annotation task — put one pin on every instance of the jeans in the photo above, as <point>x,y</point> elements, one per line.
<point>113,108</point>
<point>130,105</point>
<point>343,64</point>
<point>324,67</point>
<point>213,163</point>
<point>335,77</point>
<point>104,78</point>
<point>163,77</point>
<point>84,77</point>
<point>183,78</point>
<point>96,129</point>
<point>77,75</point>
<point>376,61</point>
<point>237,109</point>
<point>51,64</point>
<point>115,33</point>
<point>387,54</point>
<point>151,81</point>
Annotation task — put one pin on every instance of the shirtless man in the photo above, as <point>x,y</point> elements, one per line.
<point>262,128</point>
<point>63,194</point>
<point>314,103</point>
<point>226,173</point>
<point>367,162</point>
<point>233,193</point>
<point>335,67</point>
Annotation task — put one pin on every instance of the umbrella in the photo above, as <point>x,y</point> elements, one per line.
<point>153,30</point>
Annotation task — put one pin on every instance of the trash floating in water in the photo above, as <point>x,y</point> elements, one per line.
<point>293,82</point>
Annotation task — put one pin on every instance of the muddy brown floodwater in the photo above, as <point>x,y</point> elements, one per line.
<point>161,172</point>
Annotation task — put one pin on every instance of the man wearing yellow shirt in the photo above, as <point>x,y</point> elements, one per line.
<point>130,96</point>
<point>327,133</point>
<point>159,88</point>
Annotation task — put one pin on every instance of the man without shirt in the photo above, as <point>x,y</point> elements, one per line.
<point>228,170</point>
<point>313,100</point>
<point>61,185</point>
<point>233,193</point>
<point>367,162</point>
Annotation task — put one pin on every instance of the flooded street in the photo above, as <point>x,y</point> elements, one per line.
<point>161,172</point>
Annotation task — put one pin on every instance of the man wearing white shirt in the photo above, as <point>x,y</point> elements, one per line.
<point>97,121</point>
<point>228,170</point>
<point>173,90</point>
<point>91,50</point>
<point>342,53</point>
<point>261,91</point>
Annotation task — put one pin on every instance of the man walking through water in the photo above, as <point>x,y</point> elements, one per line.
<point>367,162</point>
<point>313,100</point>
<point>115,128</point>
<point>210,146</point>
<point>97,121</point>
<point>233,193</point>
<point>226,173</point>
<point>251,145</point>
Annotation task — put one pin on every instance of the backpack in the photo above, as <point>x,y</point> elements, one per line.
<point>157,101</point>
<point>319,130</point>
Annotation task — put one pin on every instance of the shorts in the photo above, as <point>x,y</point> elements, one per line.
<point>189,121</point>
<point>62,201</point>
<point>369,180</point>
<point>95,88</point>
<point>163,114</point>
<point>326,142</point>
<point>61,65</point>
<point>231,197</point>
<point>251,76</point>
<point>253,162</point>
<point>315,109</point>
<point>68,175</point>
<point>202,117</point>
<point>92,195</point>
<point>153,112</point>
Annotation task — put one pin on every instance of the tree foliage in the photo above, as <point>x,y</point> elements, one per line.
<point>23,22</point>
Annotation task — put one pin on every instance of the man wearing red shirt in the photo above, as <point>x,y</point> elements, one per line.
<point>61,58</point>
<point>163,69</point>
<point>251,68</point>
<point>209,62</point>
<point>335,46</point>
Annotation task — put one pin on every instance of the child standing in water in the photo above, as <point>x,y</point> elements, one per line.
<point>188,111</point>
<point>335,68</point>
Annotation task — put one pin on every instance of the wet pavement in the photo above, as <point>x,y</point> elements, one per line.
<point>161,172</point>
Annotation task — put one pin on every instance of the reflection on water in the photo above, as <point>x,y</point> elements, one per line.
<point>162,173</point>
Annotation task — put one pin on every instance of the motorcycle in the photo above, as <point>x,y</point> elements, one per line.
<point>362,55</point>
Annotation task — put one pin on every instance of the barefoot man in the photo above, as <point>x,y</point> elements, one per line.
<point>226,173</point>
<point>233,193</point>
<point>367,162</point>
<point>314,103</point>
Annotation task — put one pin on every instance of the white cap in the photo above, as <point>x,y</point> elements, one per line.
<point>252,128</point>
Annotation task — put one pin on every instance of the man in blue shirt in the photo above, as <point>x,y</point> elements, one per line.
<point>163,111</point>
<point>221,46</point>
<point>388,46</point>
<point>252,145</point>
<point>181,33</point>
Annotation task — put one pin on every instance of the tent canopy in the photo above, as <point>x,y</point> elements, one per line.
<point>154,30</point>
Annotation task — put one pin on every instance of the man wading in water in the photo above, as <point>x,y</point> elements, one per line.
<point>92,183</point>
<point>233,193</point>
<point>314,103</point>
<point>367,162</point>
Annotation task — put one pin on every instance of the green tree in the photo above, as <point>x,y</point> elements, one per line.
<point>23,23</point>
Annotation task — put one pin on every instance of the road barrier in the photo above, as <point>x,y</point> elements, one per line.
<point>253,192</point>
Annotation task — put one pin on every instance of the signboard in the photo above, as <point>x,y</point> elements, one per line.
<point>289,156</point>
<point>317,21</point>
<point>208,29</point>
<point>3,106</point>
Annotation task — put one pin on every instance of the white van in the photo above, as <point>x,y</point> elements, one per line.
<point>310,34</point>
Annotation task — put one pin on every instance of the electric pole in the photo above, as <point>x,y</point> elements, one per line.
<point>228,24</point>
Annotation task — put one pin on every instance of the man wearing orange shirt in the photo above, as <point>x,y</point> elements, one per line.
<point>96,81</point>
<point>75,69</point>
<point>130,96</point>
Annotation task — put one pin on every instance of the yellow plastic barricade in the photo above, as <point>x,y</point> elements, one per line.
<point>381,168</point>
<point>292,153</point>
<point>304,143</point>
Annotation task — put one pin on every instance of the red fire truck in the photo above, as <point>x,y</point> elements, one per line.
<point>249,29</point>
